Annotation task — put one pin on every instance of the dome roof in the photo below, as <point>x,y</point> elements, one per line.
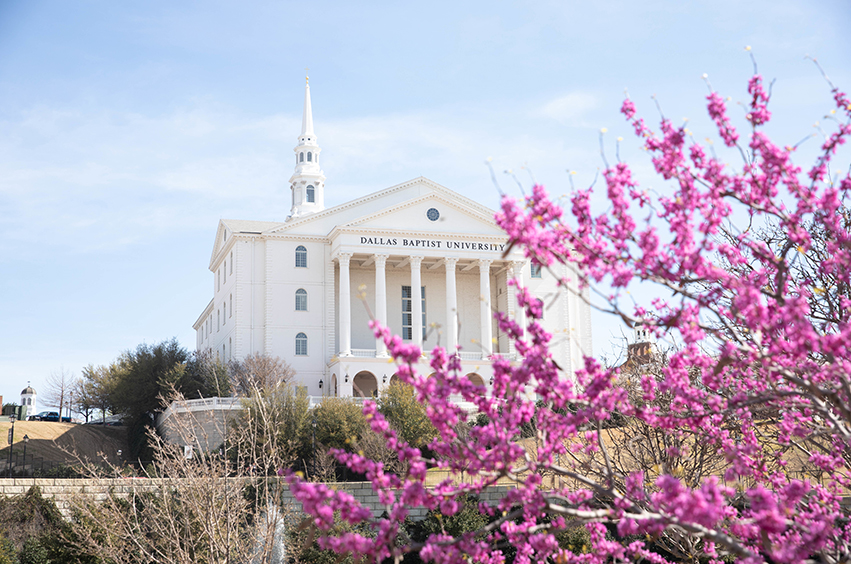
<point>28,390</point>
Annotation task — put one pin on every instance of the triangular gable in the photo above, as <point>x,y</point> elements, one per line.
<point>453,215</point>
<point>377,202</point>
<point>229,227</point>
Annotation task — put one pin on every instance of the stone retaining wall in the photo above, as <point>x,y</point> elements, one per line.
<point>61,490</point>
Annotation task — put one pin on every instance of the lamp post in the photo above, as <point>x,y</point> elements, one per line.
<point>313,470</point>
<point>26,442</point>
<point>11,441</point>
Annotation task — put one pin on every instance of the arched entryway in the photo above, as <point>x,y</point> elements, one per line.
<point>365,385</point>
<point>334,391</point>
<point>476,380</point>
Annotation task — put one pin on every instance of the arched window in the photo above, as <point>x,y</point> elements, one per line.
<point>301,157</point>
<point>311,193</point>
<point>301,257</point>
<point>309,157</point>
<point>301,344</point>
<point>301,299</point>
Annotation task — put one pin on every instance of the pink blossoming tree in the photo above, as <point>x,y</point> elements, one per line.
<point>762,377</point>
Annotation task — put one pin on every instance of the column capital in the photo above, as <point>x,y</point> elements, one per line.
<point>450,262</point>
<point>416,260</point>
<point>516,266</point>
<point>380,260</point>
<point>343,257</point>
<point>484,263</point>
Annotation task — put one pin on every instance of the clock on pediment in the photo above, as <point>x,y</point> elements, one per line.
<point>433,214</point>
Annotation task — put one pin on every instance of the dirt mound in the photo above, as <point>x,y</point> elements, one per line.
<point>64,442</point>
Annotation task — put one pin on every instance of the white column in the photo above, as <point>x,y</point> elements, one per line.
<point>345,305</point>
<point>486,313</point>
<point>417,301</point>
<point>519,311</point>
<point>451,307</point>
<point>381,300</point>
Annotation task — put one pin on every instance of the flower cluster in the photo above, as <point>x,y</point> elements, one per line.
<point>761,384</point>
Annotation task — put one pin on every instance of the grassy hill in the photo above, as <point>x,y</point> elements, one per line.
<point>64,442</point>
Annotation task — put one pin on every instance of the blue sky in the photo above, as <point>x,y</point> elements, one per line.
<point>127,130</point>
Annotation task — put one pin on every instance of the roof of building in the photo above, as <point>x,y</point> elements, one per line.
<point>28,390</point>
<point>249,226</point>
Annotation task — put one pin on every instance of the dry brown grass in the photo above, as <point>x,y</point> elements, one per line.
<point>64,442</point>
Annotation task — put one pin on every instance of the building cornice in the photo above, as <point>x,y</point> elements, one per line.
<point>203,316</point>
<point>354,230</point>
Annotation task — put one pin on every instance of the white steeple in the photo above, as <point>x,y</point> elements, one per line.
<point>307,116</point>
<point>307,182</point>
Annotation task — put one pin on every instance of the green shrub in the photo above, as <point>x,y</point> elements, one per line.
<point>34,552</point>
<point>8,554</point>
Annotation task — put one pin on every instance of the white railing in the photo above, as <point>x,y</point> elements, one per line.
<point>507,356</point>
<point>465,355</point>
<point>363,353</point>
<point>204,404</point>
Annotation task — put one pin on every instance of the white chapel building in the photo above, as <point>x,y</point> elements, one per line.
<point>304,288</point>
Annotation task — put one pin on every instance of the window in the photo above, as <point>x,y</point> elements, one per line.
<point>407,313</point>
<point>301,157</point>
<point>230,345</point>
<point>218,320</point>
<point>301,344</point>
<point>309,157</point>
<point>311,194</point>
<point>231,262</point>
<point>536,270</point>
<point>301,257</point>
<point>301,299</point>
<point>225,271</point>
<point>225,312</point>
<point>219,276</point>
<point>230,298</point>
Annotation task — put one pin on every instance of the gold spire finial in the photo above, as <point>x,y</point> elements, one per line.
<point>306,77</point>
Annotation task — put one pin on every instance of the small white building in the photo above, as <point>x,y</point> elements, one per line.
<point>28,399</point>
<point>304,288</point>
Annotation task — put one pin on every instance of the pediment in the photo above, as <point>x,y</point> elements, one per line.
<point>393,199</point>
<point>433,212</point>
